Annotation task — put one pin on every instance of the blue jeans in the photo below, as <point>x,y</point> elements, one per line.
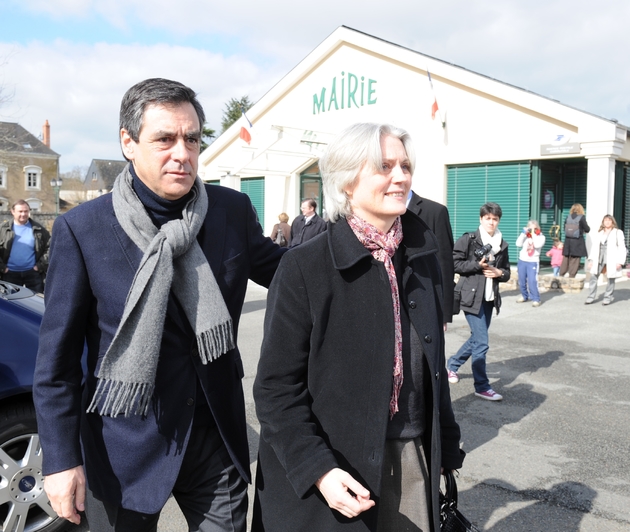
<point>556,270</point>
<point>528,279</point>
<point>476,346</point>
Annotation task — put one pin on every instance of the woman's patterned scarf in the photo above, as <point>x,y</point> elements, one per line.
<point>383,246</point>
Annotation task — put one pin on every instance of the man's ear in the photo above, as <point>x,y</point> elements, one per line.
<point>127,144</point>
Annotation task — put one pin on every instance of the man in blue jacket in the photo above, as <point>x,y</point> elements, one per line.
<point>152,277</point>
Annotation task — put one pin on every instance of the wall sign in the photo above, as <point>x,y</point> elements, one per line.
<point>345,92</point>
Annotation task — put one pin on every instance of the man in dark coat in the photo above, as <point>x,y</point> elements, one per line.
<point>152,278</point>
<point>435,215</point>
<point>307,225</point>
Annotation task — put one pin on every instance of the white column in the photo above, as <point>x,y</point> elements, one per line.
<point>600,189</point>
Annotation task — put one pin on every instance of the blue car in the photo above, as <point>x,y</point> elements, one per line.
<point>24,505</point>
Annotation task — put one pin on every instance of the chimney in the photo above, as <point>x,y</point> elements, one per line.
<point>46,133</point>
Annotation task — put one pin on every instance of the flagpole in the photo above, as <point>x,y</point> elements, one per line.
<point>435,107</point>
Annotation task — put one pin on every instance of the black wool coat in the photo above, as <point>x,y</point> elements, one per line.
<point>576,247</point>
<point>435,215</point>
<point>302,231</point>
<point>472,281</point>
<point>324,378</point>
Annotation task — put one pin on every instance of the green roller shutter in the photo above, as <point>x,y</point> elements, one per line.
<point>624,221</point>
<point>508,184</point>
<point>255,189</point>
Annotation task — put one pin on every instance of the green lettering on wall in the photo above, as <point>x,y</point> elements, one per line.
<point>371,91</point>
<point>343,89</point>
<point>362,89</point>
<point>318,105</point>
<point>352,90</point>
<point>333,95</point>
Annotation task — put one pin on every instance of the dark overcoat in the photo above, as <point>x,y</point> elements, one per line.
<point>134,461</point>
<point>576,247</point>
<point>472,281</point>
<point>324,379</point>
<point>435,215</point>
<point>302,232</point>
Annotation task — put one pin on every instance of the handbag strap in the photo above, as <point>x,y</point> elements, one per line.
<point>451,489</point>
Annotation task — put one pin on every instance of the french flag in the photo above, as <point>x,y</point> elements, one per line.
<point>246,129</point>
<point>434,107</point>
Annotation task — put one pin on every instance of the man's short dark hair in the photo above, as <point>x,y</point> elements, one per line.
<point>20,202</point>
<point>312,203</point>
<point>490,208</point>
<point>154,91</point>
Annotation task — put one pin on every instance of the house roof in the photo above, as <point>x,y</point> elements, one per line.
<point>15,139</point>
<point>106,170</point>
<point>489,89</point>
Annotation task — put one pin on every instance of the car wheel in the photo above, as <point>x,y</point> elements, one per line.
<point>24,504</point>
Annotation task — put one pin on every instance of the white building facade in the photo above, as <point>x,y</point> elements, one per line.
<point>489,141</point>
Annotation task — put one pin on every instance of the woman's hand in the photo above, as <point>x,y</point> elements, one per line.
<point>343,493</point>
<point>489,271</point>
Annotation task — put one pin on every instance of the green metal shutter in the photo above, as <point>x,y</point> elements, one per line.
<point>574,187</point>
<point>508,184</point>
<point>255,189</point>
<point>624,223</point>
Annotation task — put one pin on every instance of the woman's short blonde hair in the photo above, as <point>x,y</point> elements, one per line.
<point>345,157</point>
<point>283,217</point>
<point>577,208</point>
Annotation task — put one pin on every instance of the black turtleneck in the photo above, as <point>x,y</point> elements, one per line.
<point>160,210</point>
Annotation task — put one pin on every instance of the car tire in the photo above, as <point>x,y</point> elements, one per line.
<point>23,503</point>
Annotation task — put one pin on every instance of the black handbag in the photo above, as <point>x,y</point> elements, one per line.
<point>451,519</point>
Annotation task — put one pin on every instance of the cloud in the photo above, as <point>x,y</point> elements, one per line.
<point>79,89</point>
<point>564,49</point>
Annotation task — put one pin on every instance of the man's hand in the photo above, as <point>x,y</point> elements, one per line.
<point>343,493</point>
<point>66,492</point>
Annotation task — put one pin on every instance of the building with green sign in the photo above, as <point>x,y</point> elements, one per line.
<point>485,140</point>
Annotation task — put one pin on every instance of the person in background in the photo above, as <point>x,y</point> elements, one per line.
<point>351,390</point>
<point>307,225</point>
<point>24,247</point>
<point>556,255</point>
<point>482,261</point>
<point>608,255</point>
<point>574,246</point>
<point>531,240</point>
<point>435,215</point>
<point>281,233</point>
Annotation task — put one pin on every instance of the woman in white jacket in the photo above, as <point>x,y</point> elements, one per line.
<point>607,255</point>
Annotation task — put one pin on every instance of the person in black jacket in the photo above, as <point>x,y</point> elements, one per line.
<point>351,391</point>
<point>481,259</point>
<point>307,225</point>
<point>574,246</point>
<point>435,215</point>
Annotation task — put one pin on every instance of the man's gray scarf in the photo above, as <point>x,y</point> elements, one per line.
<point>173,260</point>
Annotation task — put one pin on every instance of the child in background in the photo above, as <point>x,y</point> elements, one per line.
<point>531,240</point>
<point>556,256</point>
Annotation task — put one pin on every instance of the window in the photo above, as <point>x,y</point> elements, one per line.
<point>35,204</point>
<point>3,176</point>
<point>4,204</point>
<point>33,177</point>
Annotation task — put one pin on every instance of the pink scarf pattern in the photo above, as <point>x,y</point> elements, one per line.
<point>383,246</point>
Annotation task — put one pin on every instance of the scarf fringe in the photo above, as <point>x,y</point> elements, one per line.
<point>216,341</point>
<point>113,398</point>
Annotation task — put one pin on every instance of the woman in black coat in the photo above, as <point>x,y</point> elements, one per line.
<point>574,246</point>
<point>351,391</point>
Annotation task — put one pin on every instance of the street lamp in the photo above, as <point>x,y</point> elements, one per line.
<point>56,185</point>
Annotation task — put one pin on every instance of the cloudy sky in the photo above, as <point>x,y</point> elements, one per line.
<point>70,61</point>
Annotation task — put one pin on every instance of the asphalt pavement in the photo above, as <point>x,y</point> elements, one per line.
<point>554,455</point>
